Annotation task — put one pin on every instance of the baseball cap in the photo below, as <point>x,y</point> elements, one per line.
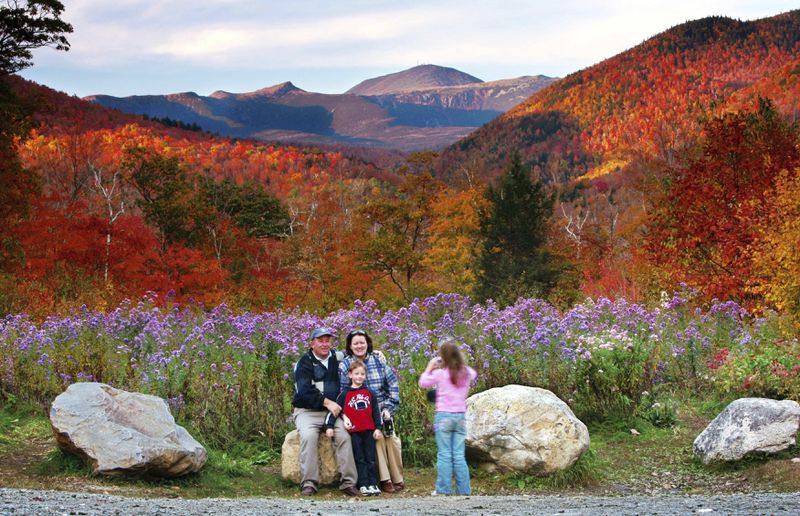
<point>320,332</point>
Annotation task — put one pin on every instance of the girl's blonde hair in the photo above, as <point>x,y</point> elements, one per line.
<point>453,360</point>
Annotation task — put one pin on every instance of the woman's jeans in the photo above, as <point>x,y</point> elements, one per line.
<point>451,432</point>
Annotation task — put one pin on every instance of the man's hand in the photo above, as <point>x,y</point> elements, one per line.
<point>332,406</point>
<point>386,415</point>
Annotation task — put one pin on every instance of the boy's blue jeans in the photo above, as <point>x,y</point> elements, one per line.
<point>451,432</point>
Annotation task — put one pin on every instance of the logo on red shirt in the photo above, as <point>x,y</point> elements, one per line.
<point>359,402</point>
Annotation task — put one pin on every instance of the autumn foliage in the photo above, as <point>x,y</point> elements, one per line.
<point>717,206</point>
<point>121,206</point>
<point>674,162</point>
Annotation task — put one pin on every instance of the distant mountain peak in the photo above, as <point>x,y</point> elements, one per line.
<point>181,95</point>
<point>278,90</point>
<point>416,78</point>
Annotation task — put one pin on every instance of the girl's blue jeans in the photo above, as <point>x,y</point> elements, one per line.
<point>451,432</point>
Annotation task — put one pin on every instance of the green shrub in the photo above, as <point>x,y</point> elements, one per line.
<point>615,373</point>
<point>769,370</point>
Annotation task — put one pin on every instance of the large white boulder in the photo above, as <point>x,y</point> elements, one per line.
<point>749,425</point>
<point>524,429</point>
<point>121,432</point>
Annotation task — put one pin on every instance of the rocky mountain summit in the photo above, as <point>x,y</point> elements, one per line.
<point>416,78</point>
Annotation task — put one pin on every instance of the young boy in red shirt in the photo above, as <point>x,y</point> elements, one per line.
<point>363,420</point>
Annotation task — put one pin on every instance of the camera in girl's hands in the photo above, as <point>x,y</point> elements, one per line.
<point>430,395</point>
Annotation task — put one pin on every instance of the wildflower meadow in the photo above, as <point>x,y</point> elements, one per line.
<point>227,377</point>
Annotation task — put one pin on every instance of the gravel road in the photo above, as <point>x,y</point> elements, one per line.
<point>23,501</point>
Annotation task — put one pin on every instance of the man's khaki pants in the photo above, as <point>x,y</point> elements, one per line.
<point>390,459</point>
<point>309,424</point>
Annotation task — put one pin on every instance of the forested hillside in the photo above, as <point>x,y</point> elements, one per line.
<point>672,165</point>
<point>647,101</point>
<point>620,142</point>
<point>120,206</point>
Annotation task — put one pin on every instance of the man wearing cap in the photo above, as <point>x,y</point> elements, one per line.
<point>316,384</point>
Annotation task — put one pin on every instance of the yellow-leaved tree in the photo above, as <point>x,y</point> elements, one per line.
<point>775,250</point>
<point>454,235</point>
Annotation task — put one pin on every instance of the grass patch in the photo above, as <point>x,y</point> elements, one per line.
<point>61,463</point>
<point>581,474</point>
<point>19,423</point>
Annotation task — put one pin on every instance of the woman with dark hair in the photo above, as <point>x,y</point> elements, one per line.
<point>452,377</point>
<point>383,382</point>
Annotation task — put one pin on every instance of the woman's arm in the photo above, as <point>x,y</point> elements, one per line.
<point>390,388</point>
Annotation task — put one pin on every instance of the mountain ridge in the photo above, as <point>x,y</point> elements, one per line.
<point>429,118</point>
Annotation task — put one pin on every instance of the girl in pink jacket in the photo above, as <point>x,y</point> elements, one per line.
<point>452,378</point>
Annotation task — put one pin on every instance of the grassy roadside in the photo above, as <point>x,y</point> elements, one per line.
<point>625,458</point>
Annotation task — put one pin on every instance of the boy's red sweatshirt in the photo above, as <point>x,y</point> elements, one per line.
<point>361,407</point>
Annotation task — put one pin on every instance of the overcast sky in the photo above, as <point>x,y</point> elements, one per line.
<point>136,47</point>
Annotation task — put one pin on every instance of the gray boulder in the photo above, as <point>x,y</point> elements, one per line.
<point>749,425</point>
<point>121,432</point>
<point>524,429</point>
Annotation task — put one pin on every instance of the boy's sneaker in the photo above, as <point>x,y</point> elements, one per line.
<point>365,491</point>
<point>374,491</point>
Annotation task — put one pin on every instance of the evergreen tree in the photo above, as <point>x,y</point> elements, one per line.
<point>513,261</point>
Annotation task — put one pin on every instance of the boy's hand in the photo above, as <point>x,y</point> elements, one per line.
<point>329,432</point>
<point>347,423</point>
<point>377,435</point>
